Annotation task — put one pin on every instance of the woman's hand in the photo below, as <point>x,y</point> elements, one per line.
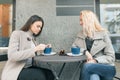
<point>89,56</point>
<point>90,59</point>
<point>40,47</point>
<point>49,45</point>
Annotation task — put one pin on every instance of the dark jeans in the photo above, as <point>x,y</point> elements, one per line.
<point>104,71</point>
<point>35,73</point>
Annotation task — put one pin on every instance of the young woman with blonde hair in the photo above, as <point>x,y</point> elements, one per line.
<point>95,43</point>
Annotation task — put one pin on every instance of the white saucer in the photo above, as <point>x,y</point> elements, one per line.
<point>52,53</point>
<point>70,54</point>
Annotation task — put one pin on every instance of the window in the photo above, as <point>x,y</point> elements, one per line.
<point>73,7</point>
<point>111,17</point>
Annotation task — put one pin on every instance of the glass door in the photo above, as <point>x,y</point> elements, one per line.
<point>6,21</point>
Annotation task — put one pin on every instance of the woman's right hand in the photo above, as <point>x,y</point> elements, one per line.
<point>40,47</point>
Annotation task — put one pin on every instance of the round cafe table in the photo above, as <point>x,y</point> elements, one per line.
<point>58,58</point>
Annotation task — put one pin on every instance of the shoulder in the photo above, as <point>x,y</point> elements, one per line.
<point>104,34</point>
<point>80,35</point>
<point>17,32</point>
<point>100,34</point>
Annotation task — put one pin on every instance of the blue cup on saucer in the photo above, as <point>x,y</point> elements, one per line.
<point>47,50</point>
<point>75,50</point>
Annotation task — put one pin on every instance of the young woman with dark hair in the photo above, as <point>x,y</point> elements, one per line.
<point>22,48</point>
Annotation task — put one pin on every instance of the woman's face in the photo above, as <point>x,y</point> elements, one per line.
<point>81,21</point>
<point>36,27</point>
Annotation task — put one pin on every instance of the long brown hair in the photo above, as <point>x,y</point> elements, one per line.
<point>30,21</point>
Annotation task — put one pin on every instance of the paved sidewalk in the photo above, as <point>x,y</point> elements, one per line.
<point>1,67</point>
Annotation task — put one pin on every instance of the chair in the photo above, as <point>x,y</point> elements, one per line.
<point>117,77</point>
<point>117,56</point>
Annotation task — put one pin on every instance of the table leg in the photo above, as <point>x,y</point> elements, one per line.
<point>81,66</point>
<point>61,69</point>
<point>77,69</point>
<point>53,71</point>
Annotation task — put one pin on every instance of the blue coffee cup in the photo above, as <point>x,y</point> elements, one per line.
<point>75,50</point>
<point>47,50</point>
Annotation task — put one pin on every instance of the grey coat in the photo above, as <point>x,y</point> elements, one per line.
<point>101,50</point>
<point>18,52</point>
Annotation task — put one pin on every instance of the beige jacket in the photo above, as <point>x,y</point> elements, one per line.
<point>18,52</point>
<point>101,50</point>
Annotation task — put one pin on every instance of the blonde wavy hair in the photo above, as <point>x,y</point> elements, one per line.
<point>90,23</point>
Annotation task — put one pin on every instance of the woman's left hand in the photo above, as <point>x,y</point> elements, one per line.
<point>89,56</point>
<point>91,61</point>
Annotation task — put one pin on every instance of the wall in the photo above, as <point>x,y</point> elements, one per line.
<point>60,31</point>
